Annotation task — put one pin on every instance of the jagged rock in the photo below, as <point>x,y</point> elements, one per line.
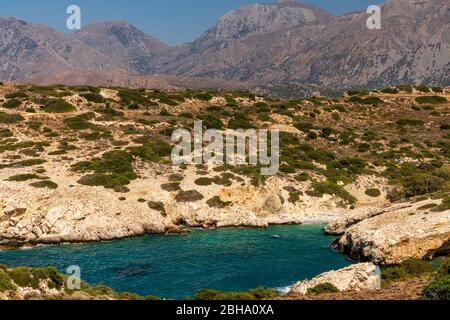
<point>401,233</point>
<point>338,227</point>
<point>363,276</point>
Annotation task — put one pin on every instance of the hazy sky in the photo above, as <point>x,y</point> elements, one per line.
<point>172,21</point>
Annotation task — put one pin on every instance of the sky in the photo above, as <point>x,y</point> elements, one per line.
<point>172,21</point>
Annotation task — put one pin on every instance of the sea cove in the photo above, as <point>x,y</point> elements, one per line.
<point>178,266</point>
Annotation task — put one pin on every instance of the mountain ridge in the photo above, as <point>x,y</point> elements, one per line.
<point>296,47</point>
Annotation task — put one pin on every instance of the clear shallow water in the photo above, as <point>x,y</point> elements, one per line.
<point>177,266</point>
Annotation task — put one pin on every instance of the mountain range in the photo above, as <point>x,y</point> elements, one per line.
<point>285,47</point>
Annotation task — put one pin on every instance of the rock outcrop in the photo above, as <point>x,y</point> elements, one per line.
<point>398,233</point>
<point>77,214</point>
<point>363,276</point>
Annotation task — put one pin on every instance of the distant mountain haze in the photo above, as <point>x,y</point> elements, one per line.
<point>288,46</point>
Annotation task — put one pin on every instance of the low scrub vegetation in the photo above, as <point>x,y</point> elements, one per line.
<point>254,294</point>
<point>431,100</point>
<point>113,170</point>
<point>189,196</point>
<point>58,106</point>
<point>323,288</point>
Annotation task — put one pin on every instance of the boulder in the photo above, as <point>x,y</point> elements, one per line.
<point>273,203</point>
<point>363,276</point>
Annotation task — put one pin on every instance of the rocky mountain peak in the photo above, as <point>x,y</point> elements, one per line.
<point>120,34</point>
<point>261,18</point>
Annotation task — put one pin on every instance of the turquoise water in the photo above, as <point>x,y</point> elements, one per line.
<point>177,266</point>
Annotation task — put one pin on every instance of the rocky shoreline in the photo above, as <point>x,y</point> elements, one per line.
<point>384,235</point>
<point>380,233</point>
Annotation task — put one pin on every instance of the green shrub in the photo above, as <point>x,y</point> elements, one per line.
<point>165,113</point>
<point>189,196</point>
<point>80,122</point>
<point>23,277</point>
<point>285,168</point>
<point>393,274</point>
<point>86,89</point>
<point>428,206</point>
<point>321,188</point>
<point>168,101</point>
<point>406,88</point>
<point>16,94</point>
<point>211,122</point>
<point>133,106</point>
<point>204,181</point>
<point>320,156</point>
<point>356,99</point>
<point>99,290</point>
<point>357,93</point>
<point>369,100</point>
<point>152,150</point>
<point>445,205</point>
<point>29,162</point>
<point>107,180</point>
<point>6,282</point>
<point>157,206</point>
<point>44,184</point>
<point>58,106</point>
<point>390,90</point>
<point>407,269</point>
<point>129,96</point>
<point>421,184</point>
<point>373,101</point>
<point>437,89</point>
<point>363,147</point>
<point>12,104</point>
<point>204,96</point>
<point>431,100</point>
<point>112,171</point>
<point>5,133</point>
<point>422,88</point>
<point>187,115</point>
<point>444,268</point>
<point>93,97</point>
<point>24,177</point>
<point>323,288</point>
<point>110,113</point>
<point>171,187</point>
<point>175,177</point>
<point>374,193</point>
<point>216,202</point>
<point>10,118</point>
<point>410,122</point>
<point>254,294</point>
<point>438,289</point>
<point>231,102</point>
<point>127,296</point>
<point>54,279</point>
<point>302,177</point>
<point>416,267</point>
<point>240,121</point>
